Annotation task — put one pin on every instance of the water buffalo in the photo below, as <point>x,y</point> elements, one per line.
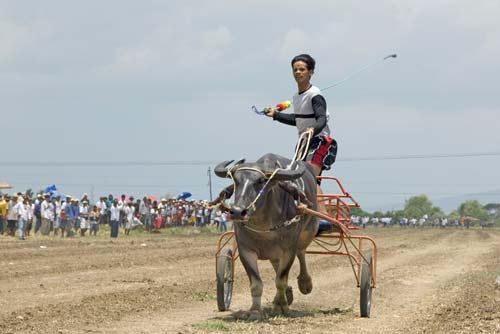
<point>268,224</point>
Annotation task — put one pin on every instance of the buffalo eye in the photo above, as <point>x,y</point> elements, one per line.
<point>261,181</point>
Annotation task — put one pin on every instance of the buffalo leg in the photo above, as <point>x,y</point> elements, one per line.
<point>304,280</point>
<point>280,300</point>
<point>249,261</point>
<point>289,290</point>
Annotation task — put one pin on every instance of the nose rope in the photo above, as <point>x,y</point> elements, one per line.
<point>300,154</point>
<point>251,206</point>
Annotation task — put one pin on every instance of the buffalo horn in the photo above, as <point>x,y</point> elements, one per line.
<point>290,174</point>
<point>221,169</point>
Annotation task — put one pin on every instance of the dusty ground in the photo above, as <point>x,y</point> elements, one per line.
<point>429,281</point>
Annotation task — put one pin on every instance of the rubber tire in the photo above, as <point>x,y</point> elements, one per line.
<point>365,299</point>
<point>224,279</point>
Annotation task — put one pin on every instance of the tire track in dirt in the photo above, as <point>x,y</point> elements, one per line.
<point>143,297</point>
<point>328,304</point>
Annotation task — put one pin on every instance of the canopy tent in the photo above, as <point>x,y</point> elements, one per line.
<point>183,195</point>
<point>4,185</point>
<point>51,188</point>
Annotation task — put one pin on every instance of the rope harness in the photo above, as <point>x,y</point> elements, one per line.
<point>300,154</point>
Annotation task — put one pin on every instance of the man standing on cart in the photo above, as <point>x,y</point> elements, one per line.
<point>310,112</point>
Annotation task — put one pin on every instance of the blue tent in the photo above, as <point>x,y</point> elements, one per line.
<point>183,195</point>
<point>51,188</point>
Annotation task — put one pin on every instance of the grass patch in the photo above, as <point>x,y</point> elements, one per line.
<point>104,231</point>
<point>213,326</point>
<point>204,296</point>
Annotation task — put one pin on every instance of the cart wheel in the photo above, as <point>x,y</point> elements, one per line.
<point>224,279</point>
<point>365,300</point>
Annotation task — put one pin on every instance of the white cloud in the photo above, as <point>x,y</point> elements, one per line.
<point>173,50</point>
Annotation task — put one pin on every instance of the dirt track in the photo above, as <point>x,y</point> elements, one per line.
<point>429,281</point>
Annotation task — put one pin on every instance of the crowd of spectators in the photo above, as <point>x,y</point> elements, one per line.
<point>403,222</point>
<point>66,216</point>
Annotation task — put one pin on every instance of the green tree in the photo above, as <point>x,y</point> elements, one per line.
<point>472,208</point>
<point>397,215</point>
<point>454,215</point>
<point>417,206</point>
<point>494,208</point>
<point>436,213</point>
<point>358,212</point>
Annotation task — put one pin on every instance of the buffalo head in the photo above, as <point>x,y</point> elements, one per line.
<point>252,181</point>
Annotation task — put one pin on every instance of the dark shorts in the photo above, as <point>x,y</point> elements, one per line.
<point>322,152</point>
<point>63,224</point>
<point>11,224</point>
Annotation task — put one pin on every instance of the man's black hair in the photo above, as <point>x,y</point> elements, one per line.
<point>310,62</point>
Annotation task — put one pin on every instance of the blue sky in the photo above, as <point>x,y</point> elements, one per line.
<point>174,81</point>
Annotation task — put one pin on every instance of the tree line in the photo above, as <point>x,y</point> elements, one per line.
<point>422,207</point>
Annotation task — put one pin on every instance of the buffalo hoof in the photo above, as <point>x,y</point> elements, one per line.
<point>255,316</point>
<point>280,309</point>
<point>252,315</point>
<point>289,295</point>
<point>305,284</point>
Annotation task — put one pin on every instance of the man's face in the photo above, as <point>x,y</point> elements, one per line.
<point>301,73</point>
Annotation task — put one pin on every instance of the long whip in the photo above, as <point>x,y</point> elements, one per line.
<point>349,76</point>
<point>284,105</point>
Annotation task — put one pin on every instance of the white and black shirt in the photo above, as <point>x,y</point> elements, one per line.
<point>309,111</point>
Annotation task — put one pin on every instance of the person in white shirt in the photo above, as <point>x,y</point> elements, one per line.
<point>364,221</point>
<point>223,222</point>
<point>11,216</point>
<point>102,210</point>
<point>57,216</point>
<point>129,214</point>
<point>355,220</point>
<point>115,219</point>
<point>46,215</point>
<point>21,210</point>
<point>84,217</point>
<point>31,208</point>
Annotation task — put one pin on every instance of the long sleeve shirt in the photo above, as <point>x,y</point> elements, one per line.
<point>45,210</point>
<point>21,210</point>
<point>71,212</point>
<point>310,111</point>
